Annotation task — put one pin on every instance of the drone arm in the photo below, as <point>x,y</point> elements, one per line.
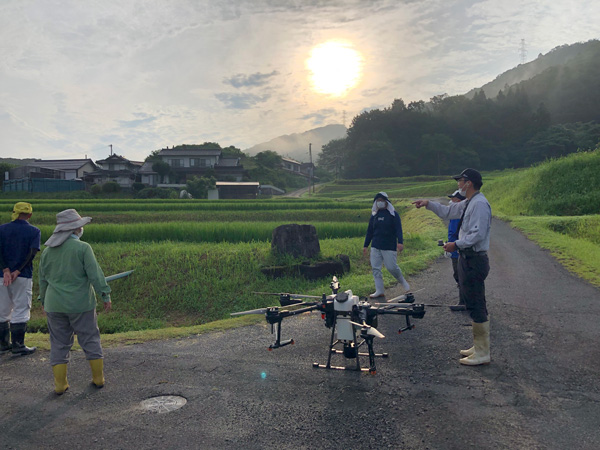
<point>295,312</point>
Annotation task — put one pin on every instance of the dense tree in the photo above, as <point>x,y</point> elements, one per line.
<point>199,186</point>
<point>162,169</point>
<point>268,158</point>
<point>333,155</point>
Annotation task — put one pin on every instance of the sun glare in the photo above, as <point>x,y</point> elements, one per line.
<point>335,68</point>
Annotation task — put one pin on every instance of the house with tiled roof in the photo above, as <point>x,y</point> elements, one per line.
<point>117,169</point>
<point>187,162</point>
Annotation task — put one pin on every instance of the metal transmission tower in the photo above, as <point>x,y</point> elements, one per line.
<point>522,51</point>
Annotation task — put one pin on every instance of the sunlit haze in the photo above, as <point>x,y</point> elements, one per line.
<point>78,76</point>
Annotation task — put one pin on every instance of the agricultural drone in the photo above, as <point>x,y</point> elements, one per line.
<point>352,321</point>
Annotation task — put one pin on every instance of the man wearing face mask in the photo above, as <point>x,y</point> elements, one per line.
<point>385,236</point>
<point>69,279</point>
<point>473,265</point>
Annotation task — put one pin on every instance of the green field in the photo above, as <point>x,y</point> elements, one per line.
<point>196,261</point>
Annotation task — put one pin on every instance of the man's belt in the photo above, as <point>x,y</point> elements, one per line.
<point>468,252</point>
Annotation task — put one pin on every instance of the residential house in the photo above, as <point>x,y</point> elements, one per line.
<point>117,169</point>
<point>187,162</point>
<point>297,167</point>
<point>49,175</point>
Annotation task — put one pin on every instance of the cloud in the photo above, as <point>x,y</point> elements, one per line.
<point>256,79</point>
<point>136,122</point>
<point>319,117</point>
<point>241,101</point>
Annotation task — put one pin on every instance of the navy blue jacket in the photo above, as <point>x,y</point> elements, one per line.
<point>385,231</point>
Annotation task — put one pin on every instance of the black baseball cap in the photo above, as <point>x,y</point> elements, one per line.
<point>470,175</point>
<point>457,195</point>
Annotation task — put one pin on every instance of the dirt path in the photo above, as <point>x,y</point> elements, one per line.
<point>540,392</point>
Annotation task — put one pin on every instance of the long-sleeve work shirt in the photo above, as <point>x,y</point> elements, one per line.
<point>474,231</point>
<point>70,277</point>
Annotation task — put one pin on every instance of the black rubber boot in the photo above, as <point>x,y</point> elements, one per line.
<point>4,337</point>
<point>17,330</point>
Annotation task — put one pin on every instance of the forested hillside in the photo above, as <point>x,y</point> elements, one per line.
<point>552,114</point>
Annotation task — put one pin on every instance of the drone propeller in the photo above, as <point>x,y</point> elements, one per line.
<point>285,293</point>
<point>404,297</point>
<point>252,311</point>
<point>370,330</point>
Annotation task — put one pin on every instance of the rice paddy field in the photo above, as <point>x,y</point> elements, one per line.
<point>196,261</point>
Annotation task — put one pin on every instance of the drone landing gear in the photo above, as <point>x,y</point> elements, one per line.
<point>351,351</point>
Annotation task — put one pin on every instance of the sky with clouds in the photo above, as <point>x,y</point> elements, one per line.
<point>77,76</point>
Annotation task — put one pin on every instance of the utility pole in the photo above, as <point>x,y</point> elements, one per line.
<point>310,180</point>
<point>110,149</point>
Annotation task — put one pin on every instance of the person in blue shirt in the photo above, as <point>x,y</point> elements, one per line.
<point>385,236</point>
<point>455,197</point>
<point>19,243</point>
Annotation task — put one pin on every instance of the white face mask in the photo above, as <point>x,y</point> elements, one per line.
<point>381,205</point>
<point>463,191</point>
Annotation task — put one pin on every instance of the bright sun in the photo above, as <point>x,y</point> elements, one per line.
<point>335,68</point>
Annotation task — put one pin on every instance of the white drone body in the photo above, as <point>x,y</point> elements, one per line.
<point>342,305</point>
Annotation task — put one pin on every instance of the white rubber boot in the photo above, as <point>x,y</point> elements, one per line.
<point>379,288</point>
<point>481,340</point>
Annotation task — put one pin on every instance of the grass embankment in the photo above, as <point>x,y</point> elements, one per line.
<point>424,186</point>
<point>557,205</point>
<point>197,284</point>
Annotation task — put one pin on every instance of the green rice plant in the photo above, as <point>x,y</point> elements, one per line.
<point>202,231</point>
<point>178,283</point>
<point>88,208</point>
<point>287,215</point>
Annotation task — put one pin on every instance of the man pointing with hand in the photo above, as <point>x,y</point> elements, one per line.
<point>472,245</point>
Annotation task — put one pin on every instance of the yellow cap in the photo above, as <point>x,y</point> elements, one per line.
<point>21,208</point>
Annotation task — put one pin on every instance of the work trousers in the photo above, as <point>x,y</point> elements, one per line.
<point>63,326</point>
<point>15,300</point>
<point>472,272</point>
<point>389,258</point>
<point>455,268</point>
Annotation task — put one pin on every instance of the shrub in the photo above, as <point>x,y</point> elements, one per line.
<point>110,187</point>
<point>96,189</point>
<point>137,186</point>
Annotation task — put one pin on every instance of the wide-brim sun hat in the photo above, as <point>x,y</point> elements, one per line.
<point>69,219</point>
<point>66,222</point>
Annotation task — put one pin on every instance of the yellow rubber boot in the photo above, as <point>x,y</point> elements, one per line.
<point>97,366</point>
<point>481,340</point>
<point>60,378</point>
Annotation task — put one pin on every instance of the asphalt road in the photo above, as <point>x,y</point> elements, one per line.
<point>541,390</point>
